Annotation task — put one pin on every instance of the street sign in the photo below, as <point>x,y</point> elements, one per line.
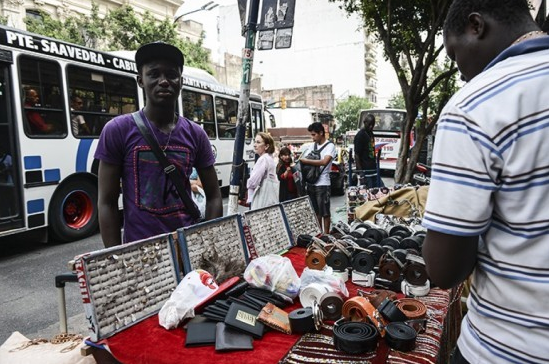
<point>276,24</point>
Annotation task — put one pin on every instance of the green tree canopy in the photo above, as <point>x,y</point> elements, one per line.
<point>120,29</point>
<point>409,32</point>
<point>397,101</point>
<point>347,113</point>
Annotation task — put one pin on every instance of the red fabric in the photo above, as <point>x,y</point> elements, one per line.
<point>148,342</point>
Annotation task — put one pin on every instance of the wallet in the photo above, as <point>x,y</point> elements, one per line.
<point>244,318</point>
<point>275,318</point>
<point>200,333</point>
<point>227,339</point>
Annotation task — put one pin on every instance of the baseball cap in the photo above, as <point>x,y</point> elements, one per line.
<point>158,50</point>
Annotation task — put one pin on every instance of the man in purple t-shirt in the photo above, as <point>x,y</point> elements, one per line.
<point>152,205</point>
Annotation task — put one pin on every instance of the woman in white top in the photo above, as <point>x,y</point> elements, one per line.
<point>263,184</point>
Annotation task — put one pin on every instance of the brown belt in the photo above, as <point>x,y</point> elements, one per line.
<point>412,308</point>
<point>361,310</point>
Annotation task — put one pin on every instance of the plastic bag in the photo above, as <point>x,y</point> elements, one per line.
<point>199,198</point>
<point>325,278</point>
<point>274,273</point>
<point>194,288</point>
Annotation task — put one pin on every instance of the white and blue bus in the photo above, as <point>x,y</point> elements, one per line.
<point>48,178</point>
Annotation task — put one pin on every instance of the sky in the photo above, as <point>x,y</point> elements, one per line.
<point>387,84</point>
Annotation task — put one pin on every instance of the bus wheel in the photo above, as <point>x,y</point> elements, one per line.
<point>73,211</point>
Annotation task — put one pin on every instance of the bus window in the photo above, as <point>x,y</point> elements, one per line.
<point>226,112</point>
<point>199,108</point>
<point>43,108</point>
<point>257,122</point>
<point>96,97</point>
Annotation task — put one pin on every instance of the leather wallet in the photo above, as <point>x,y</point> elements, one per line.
<point>223,304</point>
<point>227,339</point>
<point>213,316</point>
<point>275,318</point>
<point>215,310</point>
<point>200,333</point>
<point>250,304</point>
<point>244,318</point>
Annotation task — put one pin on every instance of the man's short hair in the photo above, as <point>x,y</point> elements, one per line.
<point>317,127</point>
<point>505,11</point>
<point>159,51</point>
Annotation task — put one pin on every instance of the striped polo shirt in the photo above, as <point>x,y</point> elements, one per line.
<point>491,178</point>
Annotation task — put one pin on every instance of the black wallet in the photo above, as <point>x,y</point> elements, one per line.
<point>244,318</point>
<point>200,333</point>
<point>227,338</point>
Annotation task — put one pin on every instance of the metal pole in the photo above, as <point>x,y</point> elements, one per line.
<point>243,106</point>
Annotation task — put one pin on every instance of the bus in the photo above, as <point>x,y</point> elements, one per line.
<point>48,175</point>
<point>387,132</point>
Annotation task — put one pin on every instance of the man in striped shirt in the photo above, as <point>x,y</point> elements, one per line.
<point>487,210</point>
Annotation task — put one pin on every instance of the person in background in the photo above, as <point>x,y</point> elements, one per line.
<point>365,158</point>
<point>263,176</point>
<point>320,191</point>
<point>35,120</point>
<point>285,172</point>
<point>152,204</point>
<point>486,212</point>
<point>78,123</point>
<point>199,197</point>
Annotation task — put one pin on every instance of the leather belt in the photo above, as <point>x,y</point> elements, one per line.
<point>355,337</point>
<point>378,296</point>
<point>338,259</point>
<point>315,259</point>
<point>359,309</point>
<point>363,279</point>
<point>331,305</point>
<point>391,312</point>
<point>363,261</point>
<point>414,270</point>
<point>412,308</point>
<point>416,291</point>
<point>400,336</point>
<point>311,293</point>
<point>389,268</point>
<point>301,320</point>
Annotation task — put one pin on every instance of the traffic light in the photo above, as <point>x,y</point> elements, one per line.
<point>282,102</point>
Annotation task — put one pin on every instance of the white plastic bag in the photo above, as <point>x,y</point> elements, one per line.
<point>194,288</point>
<point>274,273</point>
<point>325,278</point>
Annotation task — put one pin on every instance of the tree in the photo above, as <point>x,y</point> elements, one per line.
<point>347,113</point>
<point>397,102</point>
<point>409,32</point>
<point>122,29</point>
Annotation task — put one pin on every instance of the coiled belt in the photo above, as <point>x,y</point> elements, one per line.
<point>377,296</point>
<point>311,293</point>
<point>363,262</point>
<point>400,336</point>
<point>315,259</point>
<point>416,291</point>
<point>360,309</point>
<point>355,337</point>
<point>414,270</point>
<point>301,320</point>
<point>412,308</point>
<point>331,305</point>
<point>390,311</point>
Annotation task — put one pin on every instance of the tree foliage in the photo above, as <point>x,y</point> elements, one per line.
<point>409,32</point>
<point>347,113</point>
<point>397,101</point>
<point>120,29</point>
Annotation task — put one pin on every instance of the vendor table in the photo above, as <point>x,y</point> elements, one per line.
<point>148,342</point>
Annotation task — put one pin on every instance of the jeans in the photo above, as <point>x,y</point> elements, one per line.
<point>457,358</point>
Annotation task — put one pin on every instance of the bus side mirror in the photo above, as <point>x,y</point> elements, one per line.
<point>272,120</point>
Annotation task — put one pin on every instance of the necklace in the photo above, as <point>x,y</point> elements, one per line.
<point>532,34</point>
<point>169,135</point>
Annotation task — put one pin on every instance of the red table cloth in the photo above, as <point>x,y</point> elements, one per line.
<point>148,342</point>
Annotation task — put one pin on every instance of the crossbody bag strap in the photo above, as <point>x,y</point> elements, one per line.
<point>320,151</point>
<point>174,174</point>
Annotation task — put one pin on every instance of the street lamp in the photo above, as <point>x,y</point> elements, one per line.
<point>206,7</point>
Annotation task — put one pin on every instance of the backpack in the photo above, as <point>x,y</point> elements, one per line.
<point>310,174</point>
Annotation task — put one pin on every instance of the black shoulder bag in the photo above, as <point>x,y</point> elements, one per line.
<point>176,177</point>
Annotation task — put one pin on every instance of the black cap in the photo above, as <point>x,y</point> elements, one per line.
<point>158,51</point>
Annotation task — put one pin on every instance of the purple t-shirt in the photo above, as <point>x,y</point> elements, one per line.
<point>151,203</point>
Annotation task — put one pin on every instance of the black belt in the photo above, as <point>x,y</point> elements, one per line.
<point>301,320</point>
<point>355,337</point>
<point>391,312</point>
<point>331,305</point>
<point>364,262</point>
<point>400,336</point>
